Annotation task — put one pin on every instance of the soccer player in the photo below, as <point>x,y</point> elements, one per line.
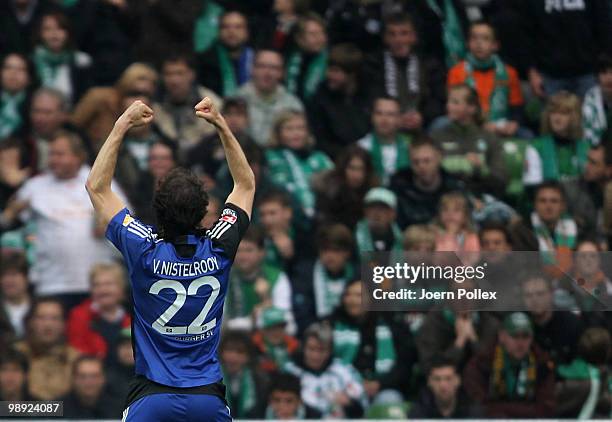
<point>179,275</point>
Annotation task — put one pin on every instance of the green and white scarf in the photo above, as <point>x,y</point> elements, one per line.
<point>564,236</point>
<point>402,157</point>
<point>278,353</point>
<point>347,339</point>
<point>10,118</point>
<point>579,369</point>
<point>48,63</point>
<point>247,396</point>
<point>365,243</point>
<point>206,26</point>
<point>328,291</point>
<point>499,99</point>
<point>242,297</point>
<point>561,162</point>
<point>314,73</point>
<point>412,75</point>
<point>228,74</point>
<point>594,118</point>
<point>273,257</point>
<point>452,34</point>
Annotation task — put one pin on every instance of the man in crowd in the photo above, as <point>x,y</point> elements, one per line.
<point>597,104</point>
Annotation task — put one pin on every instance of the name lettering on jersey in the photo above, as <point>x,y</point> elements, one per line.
<point>561,5</point>
<point>179,269</point>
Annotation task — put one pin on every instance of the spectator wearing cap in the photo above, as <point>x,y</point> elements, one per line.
<point>556,331</point>
<point>514,378</point>
<point>49,356</point>
<point>378,230</point>
<point>265,96</point>
<point>229,62</point>
<point>333,388</point>
<point>381,349</point>
<point>256,285</point>
<point>89,397</point>
<point>388,148</point>
<point>95,325</point>
<point>174,115</point>
<point>419,188</point>
<point>318,285</point>
<point>96,112</point>
<point>597,103</point>
<point>273,344</point>
<point>339,111</point>
<point>13,376</point>
<point>443,396</point>
<point>246,386</point>
<point>15,293</point>
<point>285,401</point>
<point>67,242</point>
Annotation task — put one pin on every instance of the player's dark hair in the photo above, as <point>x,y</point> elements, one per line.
<point>256,235</point>
<point>285,382</point>
<point>12,356</point>
<point>179,204</point>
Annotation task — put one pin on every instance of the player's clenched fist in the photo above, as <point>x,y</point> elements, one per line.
<point>207,110</point>
<point>137,114</point>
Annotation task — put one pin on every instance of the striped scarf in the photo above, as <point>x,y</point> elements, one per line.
<point>328,290</point>
<point>506,383</point>
<point>48,63</point>
<point>365,242</point>
<point>564,236</point>
<point>499,99</point>
<point>314,73</point>
<point>594,118</point>
<point>452,33</point>
<point>10,117</point>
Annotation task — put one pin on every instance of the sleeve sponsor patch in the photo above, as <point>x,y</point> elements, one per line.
<point>127,220</point>
<point>229,215</point>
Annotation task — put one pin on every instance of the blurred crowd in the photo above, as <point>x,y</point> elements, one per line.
<point>467,126</point>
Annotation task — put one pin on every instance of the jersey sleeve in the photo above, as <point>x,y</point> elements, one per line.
<point>129,235</point>
<point>229,229</point>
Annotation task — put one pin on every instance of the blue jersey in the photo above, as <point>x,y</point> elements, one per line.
<point>178,302</point>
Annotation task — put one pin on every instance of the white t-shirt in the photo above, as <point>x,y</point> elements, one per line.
<point>65,245</point>
<point>16,315</point>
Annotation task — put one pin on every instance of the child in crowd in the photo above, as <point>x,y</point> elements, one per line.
<point>293,161</point>
<point>456,232</point>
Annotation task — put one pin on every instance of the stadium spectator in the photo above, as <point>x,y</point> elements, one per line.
<point>318,285</point>
<point>341,190</point>
<point>97,111</point>
<point>514,378</point>
<point>50,358</point>
<point>419,238</point>
<point>496,247</point>
<point>562,42</point>
<point>15,293</point>
<point>554,330</point>
<point>594,292</point>
<point>307,63</point>
<point>333,388</point>
<point>597,104</point>
<point>14,170</point>
<point>562,150</point>
<point>388,147</point>
<point>381,349</point>
<point>266,97</point>
<point>255,285</point>
<point>454,333</point>
<point>293,161</point>
<point>497,84</point>
<point>16,81</point>
<point>338,111</point>
<point>275,30</point>
<point>64,251</point>
<point>579,391</point>
<point>273,344</point>
<point>456,231</point>
<point>58,65</point>
<point>18,19</point>
<point>549,228</point>
<point>228,63</point>
<point>88,398</point>
<point>245,386</point>
<point>13,376</point>
<point>419,188</point>
<point>399,71</point>
<point>174,111</point>
<point>94,326</point>
<point>285,401</point>
<point>378,230</point>
<point>443,397</point>
<point>469,152</point>
<point>121,373</point>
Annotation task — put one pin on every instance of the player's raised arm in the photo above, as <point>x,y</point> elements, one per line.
<point>105,201</point>
<point>244,181</point>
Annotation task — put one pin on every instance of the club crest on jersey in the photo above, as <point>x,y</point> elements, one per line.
<point>229,215</point>
<point>127,220</point>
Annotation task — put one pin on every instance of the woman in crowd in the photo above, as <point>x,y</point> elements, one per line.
<point>16,83</point>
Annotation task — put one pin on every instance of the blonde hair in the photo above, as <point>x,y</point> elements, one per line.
<point>419,233</point>
<point>136,72</point>
<point>281,120</point>
<point>564,102</point>
<point>460,199</point>
<point>104,267</point>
